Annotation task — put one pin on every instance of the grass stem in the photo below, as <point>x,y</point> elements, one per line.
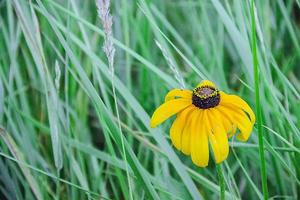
<point>258,107</point>
<point>221,181</point>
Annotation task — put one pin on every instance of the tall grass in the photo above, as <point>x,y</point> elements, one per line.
<point>66,133</point>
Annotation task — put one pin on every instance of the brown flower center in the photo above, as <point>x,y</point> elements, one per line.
<point>205,97</point>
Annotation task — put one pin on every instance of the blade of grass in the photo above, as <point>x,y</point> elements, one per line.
<point>1,100</point>
<point>259,194</point>
<point>258,106</point>
<point>17,155</point>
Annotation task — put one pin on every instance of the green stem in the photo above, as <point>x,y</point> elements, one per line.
<point>221,181</point>
<point>258,107</point>
<point>57,184</point>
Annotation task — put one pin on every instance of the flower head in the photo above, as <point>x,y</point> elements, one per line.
<point>205,116</point>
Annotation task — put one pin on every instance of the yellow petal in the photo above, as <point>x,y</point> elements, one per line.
<point>199,142</point>
<point>187,131</point>
<point>229,127</point>
<point>230,134</point>
<point>177,127</point>
<point>206,83</point>
<point>239,118</point>
<point>226,123</point>
<point>168,109</point>
<point>246,125</point>
<point>186,94</point>
<point>236,101</point>
<point>217,136</point>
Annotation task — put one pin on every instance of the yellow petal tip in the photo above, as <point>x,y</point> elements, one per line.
<point>152,124</point>
<point>201,165</point>
<point>206,83</point>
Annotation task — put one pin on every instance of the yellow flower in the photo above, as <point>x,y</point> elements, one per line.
<point>204,115</point>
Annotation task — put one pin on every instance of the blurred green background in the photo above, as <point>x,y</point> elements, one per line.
<point>59,129</point>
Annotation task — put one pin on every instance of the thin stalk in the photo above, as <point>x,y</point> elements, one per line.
<point>57,184</point>
<point>109,50</point>
<point>258,107</point>
<point>221,181</point>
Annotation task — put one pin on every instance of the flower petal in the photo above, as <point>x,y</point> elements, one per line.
<point>187,131</point>
<point>199,142</point>
<point>236,101</point>
<point>186,94</point>
<point>217,136</point>
<point>168,109</point>
<point>230,134</point>
<point>229,127</point>
<point>239,118</point>
<point>178,126</point>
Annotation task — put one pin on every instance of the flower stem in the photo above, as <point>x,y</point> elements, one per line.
<point>221,181</point>
<point>258,107</point>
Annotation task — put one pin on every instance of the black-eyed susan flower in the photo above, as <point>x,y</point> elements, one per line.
<point>204,116</point>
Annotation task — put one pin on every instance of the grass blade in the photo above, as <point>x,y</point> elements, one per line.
<point>258,106</point>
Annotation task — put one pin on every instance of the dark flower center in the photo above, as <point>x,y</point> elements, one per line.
<point>206,97</point>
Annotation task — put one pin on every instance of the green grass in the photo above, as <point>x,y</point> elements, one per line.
<point>258,105</point>
<point>60,137</point>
